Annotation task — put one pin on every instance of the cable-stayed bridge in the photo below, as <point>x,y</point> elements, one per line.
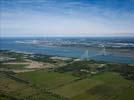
<point>86,55</point>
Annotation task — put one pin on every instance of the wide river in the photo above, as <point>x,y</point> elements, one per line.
<point>11,44</point>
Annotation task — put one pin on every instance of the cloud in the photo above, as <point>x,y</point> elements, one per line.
<point>51,17</point>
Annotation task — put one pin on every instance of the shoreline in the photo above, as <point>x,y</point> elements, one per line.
<point>94,59</point>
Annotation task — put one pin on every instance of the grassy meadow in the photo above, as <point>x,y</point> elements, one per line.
<point>103,86</point>
<point>14,90</point>
<point>48,79</point>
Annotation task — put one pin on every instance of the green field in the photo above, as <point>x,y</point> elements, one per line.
<point>13,66</point>
<point>112,87</point>
<point>48,79</point>
<point>103,86</point>
<point>14,90</point>
<point>77,88</point>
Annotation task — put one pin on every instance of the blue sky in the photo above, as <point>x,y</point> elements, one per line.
<point>66,18</point>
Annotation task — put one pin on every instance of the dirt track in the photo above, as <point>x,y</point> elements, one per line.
<point>30,66</point>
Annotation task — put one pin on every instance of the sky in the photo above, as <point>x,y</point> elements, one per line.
<point>66,18</point>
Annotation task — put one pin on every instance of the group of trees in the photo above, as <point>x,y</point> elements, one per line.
<point>127,71</point>
<point>42,58</point>
<point>82,68</point>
